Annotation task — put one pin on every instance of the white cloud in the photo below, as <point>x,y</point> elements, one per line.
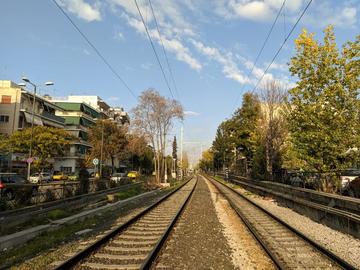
<point>83,10</point>
<point>324,13</point>
<point>229,67</point>
<point>192,113</point>
<point>173,45</point>
<point>255,10</point>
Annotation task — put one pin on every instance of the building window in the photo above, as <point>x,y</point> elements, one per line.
<point>4,119</point>
<point>5,99</point>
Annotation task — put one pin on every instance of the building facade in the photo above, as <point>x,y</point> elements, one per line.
<point>18,109</point>
<point>79,117</point>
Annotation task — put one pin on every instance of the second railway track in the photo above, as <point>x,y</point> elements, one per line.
<point>288,248</point>
<point>134,245</point>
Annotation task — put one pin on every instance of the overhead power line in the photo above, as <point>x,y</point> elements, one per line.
<point>164,51</point>
<point>261,50</point>
<point>95,49</point>
<point>282,45</point>
<point>153,48</point>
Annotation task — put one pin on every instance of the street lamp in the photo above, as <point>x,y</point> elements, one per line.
<point>25,79</point>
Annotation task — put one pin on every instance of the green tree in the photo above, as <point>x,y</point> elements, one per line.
<point>48,143</point>
<point>109,137</point>
<point>324,117</point>
<point>206,162</point>
<point>236,137</point>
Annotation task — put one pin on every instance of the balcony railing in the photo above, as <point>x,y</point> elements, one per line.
<point>53,117</point>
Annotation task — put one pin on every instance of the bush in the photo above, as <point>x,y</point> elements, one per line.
<point>4,205</point>
<point>56,214</point>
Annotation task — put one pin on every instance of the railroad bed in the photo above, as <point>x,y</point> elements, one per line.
<point>135,244</point>
<point>287,247</point>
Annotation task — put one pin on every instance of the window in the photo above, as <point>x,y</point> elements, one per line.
<point>5,99</point>
<point>4,119</point>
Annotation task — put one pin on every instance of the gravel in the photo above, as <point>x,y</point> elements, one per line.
<point>246,252</point>
<point>197,241</point>
<point>345,246</point>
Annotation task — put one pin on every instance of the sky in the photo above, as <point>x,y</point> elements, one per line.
<point>211,46</point>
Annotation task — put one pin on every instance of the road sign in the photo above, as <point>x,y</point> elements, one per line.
<point>30,160</point>
<point>95,161</point>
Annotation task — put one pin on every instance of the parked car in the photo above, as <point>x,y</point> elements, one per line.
<point>73,177</point>
<point>38,178</point>
<point>119,177</point>
<point>133,175</point>
<point>347,176</point>
<point>59,176</point>
<point>11,183</point>
<point>352,189</point>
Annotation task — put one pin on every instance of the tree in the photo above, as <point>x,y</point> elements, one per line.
<point>235,137</point>
<point>185,163</point>
<point>47,143</point>
<point>153,117</point>
<point>139,153</point>
<point>324,117</point>
<point>109,137</point>
<point>271,129</point>
<point>206,162</point>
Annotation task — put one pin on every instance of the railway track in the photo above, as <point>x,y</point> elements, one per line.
<point>135,244</point>
<point>287,247</point>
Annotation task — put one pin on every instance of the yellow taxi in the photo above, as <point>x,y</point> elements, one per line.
<point>60,176</point>
<point>133,175</point>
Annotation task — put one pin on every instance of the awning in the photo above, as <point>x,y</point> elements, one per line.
<point>37,119</point>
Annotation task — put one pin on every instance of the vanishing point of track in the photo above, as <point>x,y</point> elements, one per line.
<point>135,244</point>
<point>287,247</point>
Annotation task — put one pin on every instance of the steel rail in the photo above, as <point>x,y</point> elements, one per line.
<point>83,254</point>
<point>342,263</point>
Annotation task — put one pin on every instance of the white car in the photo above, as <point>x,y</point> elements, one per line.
<point>38,178</point>
<point>118,177</point>
<point>347,176</point>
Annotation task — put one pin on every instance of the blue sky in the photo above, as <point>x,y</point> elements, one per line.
<point>211,46</point>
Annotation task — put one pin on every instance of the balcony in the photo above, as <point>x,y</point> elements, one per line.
<point>53,117</point>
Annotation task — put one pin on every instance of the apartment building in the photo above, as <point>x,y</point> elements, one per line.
<point>79,117</point>
<point>16,113</point>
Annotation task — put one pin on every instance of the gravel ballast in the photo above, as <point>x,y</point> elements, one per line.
<point>343,245</point>
<point>197,241</point>
<point>246,252</point>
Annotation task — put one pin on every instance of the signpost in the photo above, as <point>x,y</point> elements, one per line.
<point>95,161</point>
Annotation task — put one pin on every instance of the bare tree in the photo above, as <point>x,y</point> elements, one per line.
<point>153,117</point>
<point>272,125</point>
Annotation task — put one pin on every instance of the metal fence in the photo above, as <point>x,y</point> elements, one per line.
<point>32,194</point>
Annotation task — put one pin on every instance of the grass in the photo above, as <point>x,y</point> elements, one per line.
<point>36,221</point>
<point>45,241</point>
<point>48,241</point>
<point>136,190</point>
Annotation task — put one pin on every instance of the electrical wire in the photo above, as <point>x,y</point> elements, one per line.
<point>164,51</point>
<point>153,48</point>
<point>282,45</point>
<point>261,50</point>
<point>95,49</point>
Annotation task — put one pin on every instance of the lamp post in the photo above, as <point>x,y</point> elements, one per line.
<point>25,79</point>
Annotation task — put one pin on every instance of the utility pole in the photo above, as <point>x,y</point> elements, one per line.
<point>181,148</point>
<point>102,146</point>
